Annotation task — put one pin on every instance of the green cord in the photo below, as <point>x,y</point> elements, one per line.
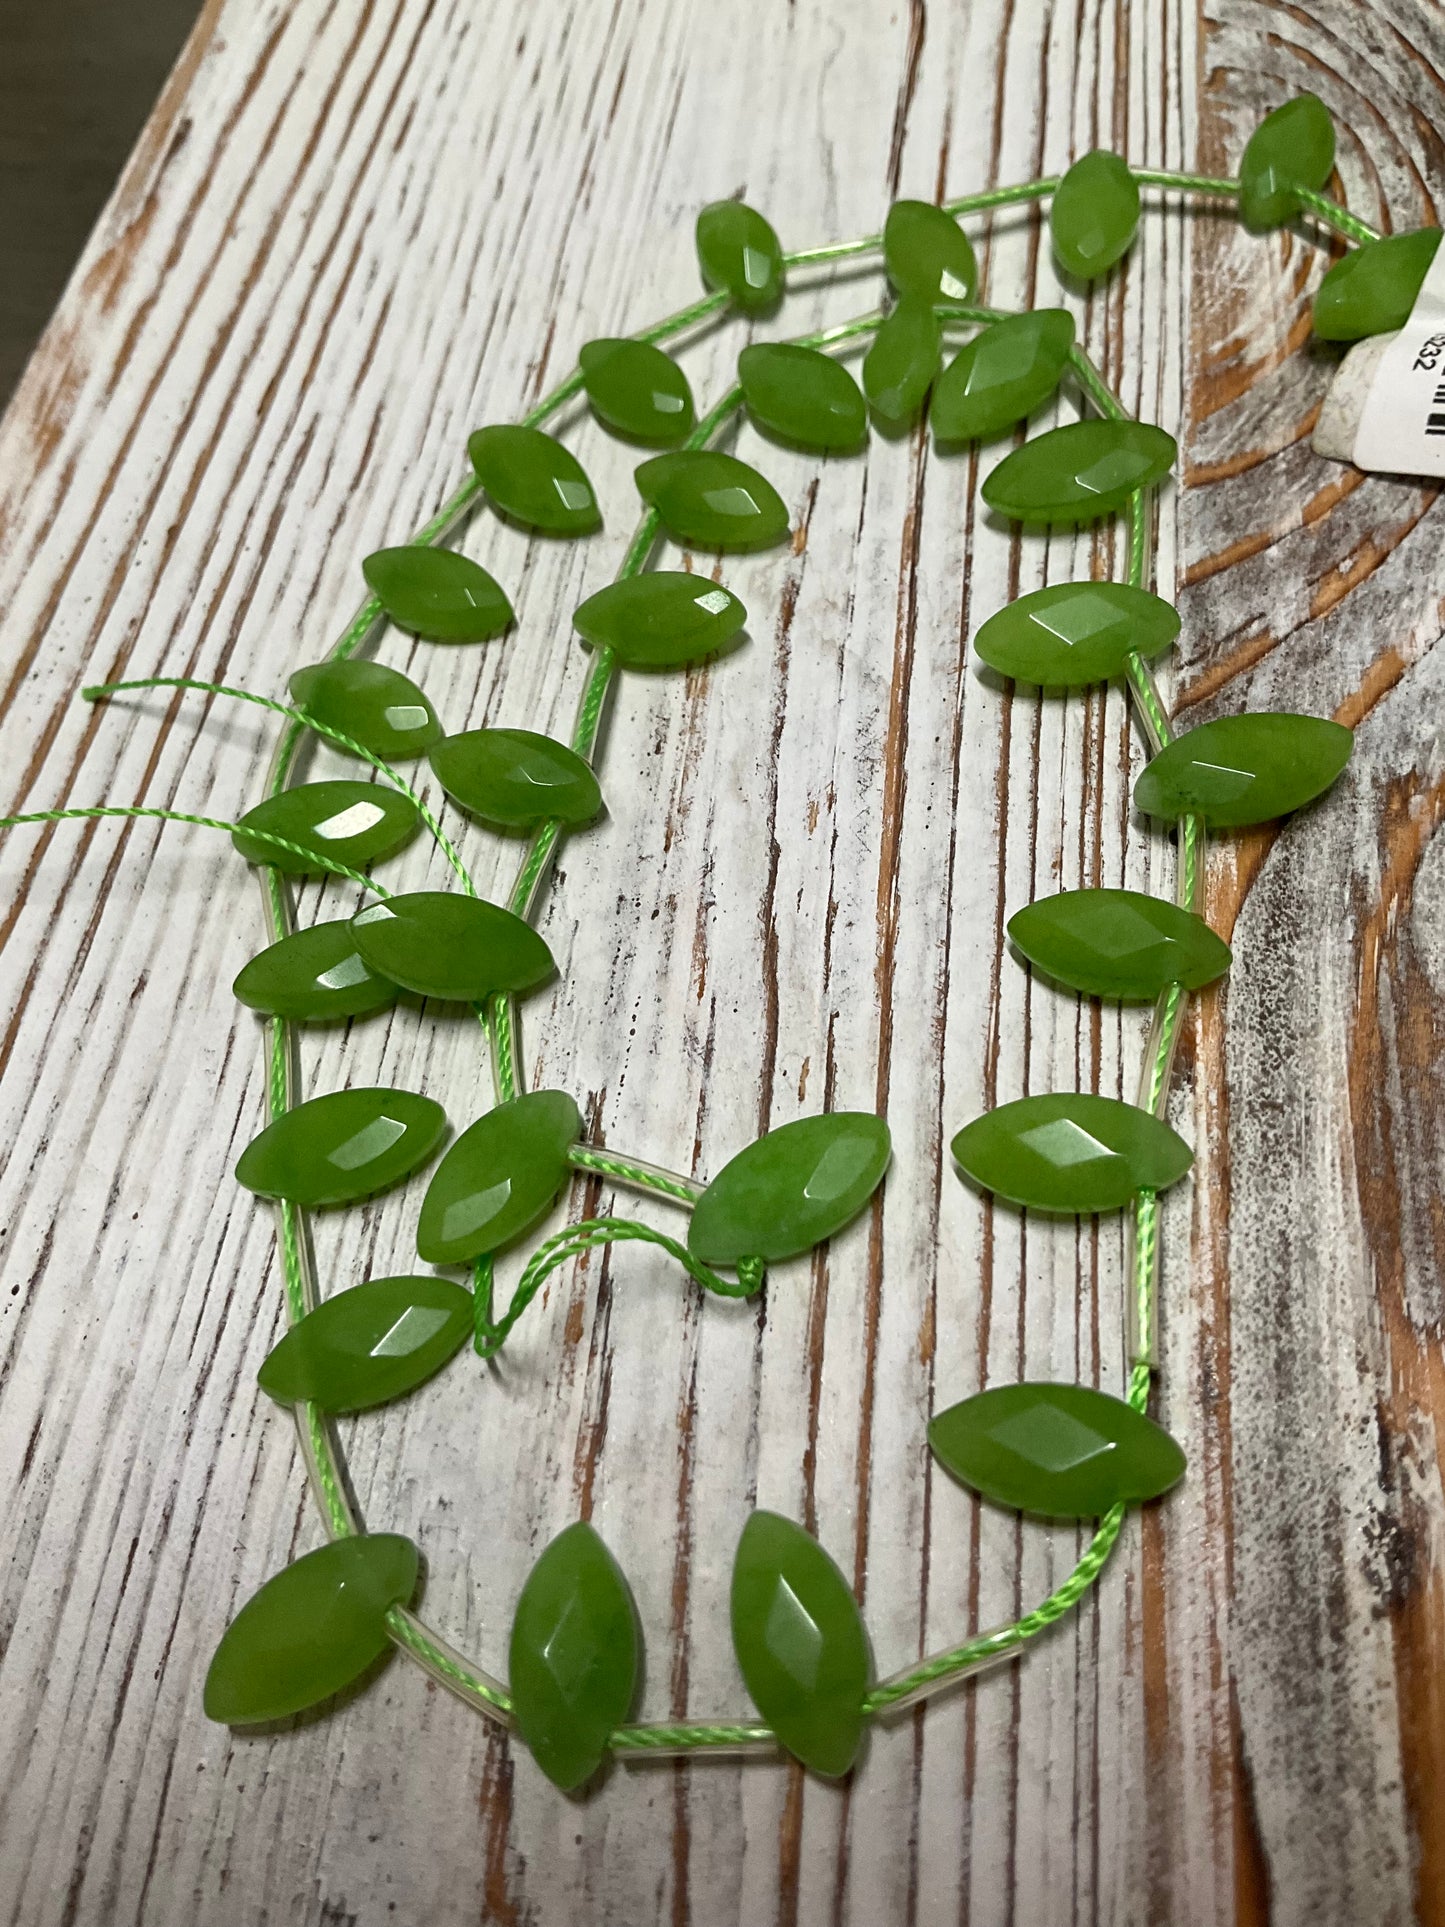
<point>592,1233</point>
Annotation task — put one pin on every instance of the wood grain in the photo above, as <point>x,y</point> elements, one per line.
<point>349,235</point>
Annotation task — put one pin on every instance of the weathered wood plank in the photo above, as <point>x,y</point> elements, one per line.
<point>348,237</point>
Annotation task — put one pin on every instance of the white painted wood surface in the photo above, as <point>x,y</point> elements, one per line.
<point>350,235</point>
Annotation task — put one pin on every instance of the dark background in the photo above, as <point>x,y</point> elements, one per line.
<point>77,79</point>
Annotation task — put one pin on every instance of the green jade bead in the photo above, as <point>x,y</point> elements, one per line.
<point>1077,473</point>
<point>1118,943</point>
<point>313,976</point>
<point>1057,1451</point>
<point>800,1643</point>
<point>534,479</point>
<point>1002,375</point>
<point>440,943</point>
<point>1095,214</point>
<point>803,396</point>
<point>516,779</point>
<point>499,1178</point>
<point>1070,1152</point>
<point>740,255</point>
<point>369,1344</point>
<point>791,1189</point>
<point>375,706</point>
<point>1372,290</point>
<point>573,1660</point>
<point>438,594</point>
<point>1291,148</point>
<point>343,1146</point>
<point>927,254</point>
<point>336,823</point>
<point>636,390</point>
<point>1245,769</point>
<point>660,620</point>
<point>1075,633</point>
<point>709,500</point>
<point>312,1629</point>
<point>899,367</point>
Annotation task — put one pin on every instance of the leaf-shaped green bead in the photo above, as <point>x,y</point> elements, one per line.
<point>438,594</point>
<point>1095,214</point>
<point>343,1146</point>
<point>1002,375</point>
<point>573,1661</point>
<point>800,1642</point>
<point>1070,1152</point>
<point>713,501</point>
<point>346,823</point>
<point>372,1343</point>
<point>901,364</point>
<point>802,395</point>
<point>1244,769</point>
<point>375,706</point>
<point>1372,290</point>
<point>791,1189</point>
<point>499,1178</point>
<point>1075,633</point>
<point>1058,1451</point>
<point>1118,943</point>
<point>311,1629</point>
<point>313,976</point>
<point>636,390</point>
<point>1077,473</point>
<point>516,778</point>
<point>927,254</point>
<point>660,620</point>
<point>1291,148</point>
<point>740,255</point>
<point>533,478</point>
<point>441,943</point>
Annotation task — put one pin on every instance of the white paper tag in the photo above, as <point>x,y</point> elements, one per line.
<point>1401,430</point>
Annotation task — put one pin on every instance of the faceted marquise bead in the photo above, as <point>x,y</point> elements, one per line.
<point>515,778</point>
<point>713,501</point>
<point>1373,288</point>
<point>1291,148</point>
<point>1118,943</point>
<point>533,478</point>
<point>1070,1152</point>
<point>438,594</point>
<point>1095,214</point>
<point>313,976</point>
<point>1002,375</point>
<point>345,823</point>
<point>343,1146</point>
<point>1075,633</point>
<point>573,1661</point>
<point>1058,1451</point>
<point>800,1643</point>
<point>740,255</point>
<point>1075,474</point>
<point>660,620</point>
<point>802,395</point>
<point>1244,769</point>
<point>901,364</point>
<point>499,1178</point>
<point>441,943</point>
<point>637,391</point>
<point>375,706</point>
<point>369,1344</point>
<point>927,254</point>
<point>311,1629</point>
<point>791,1189</point>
